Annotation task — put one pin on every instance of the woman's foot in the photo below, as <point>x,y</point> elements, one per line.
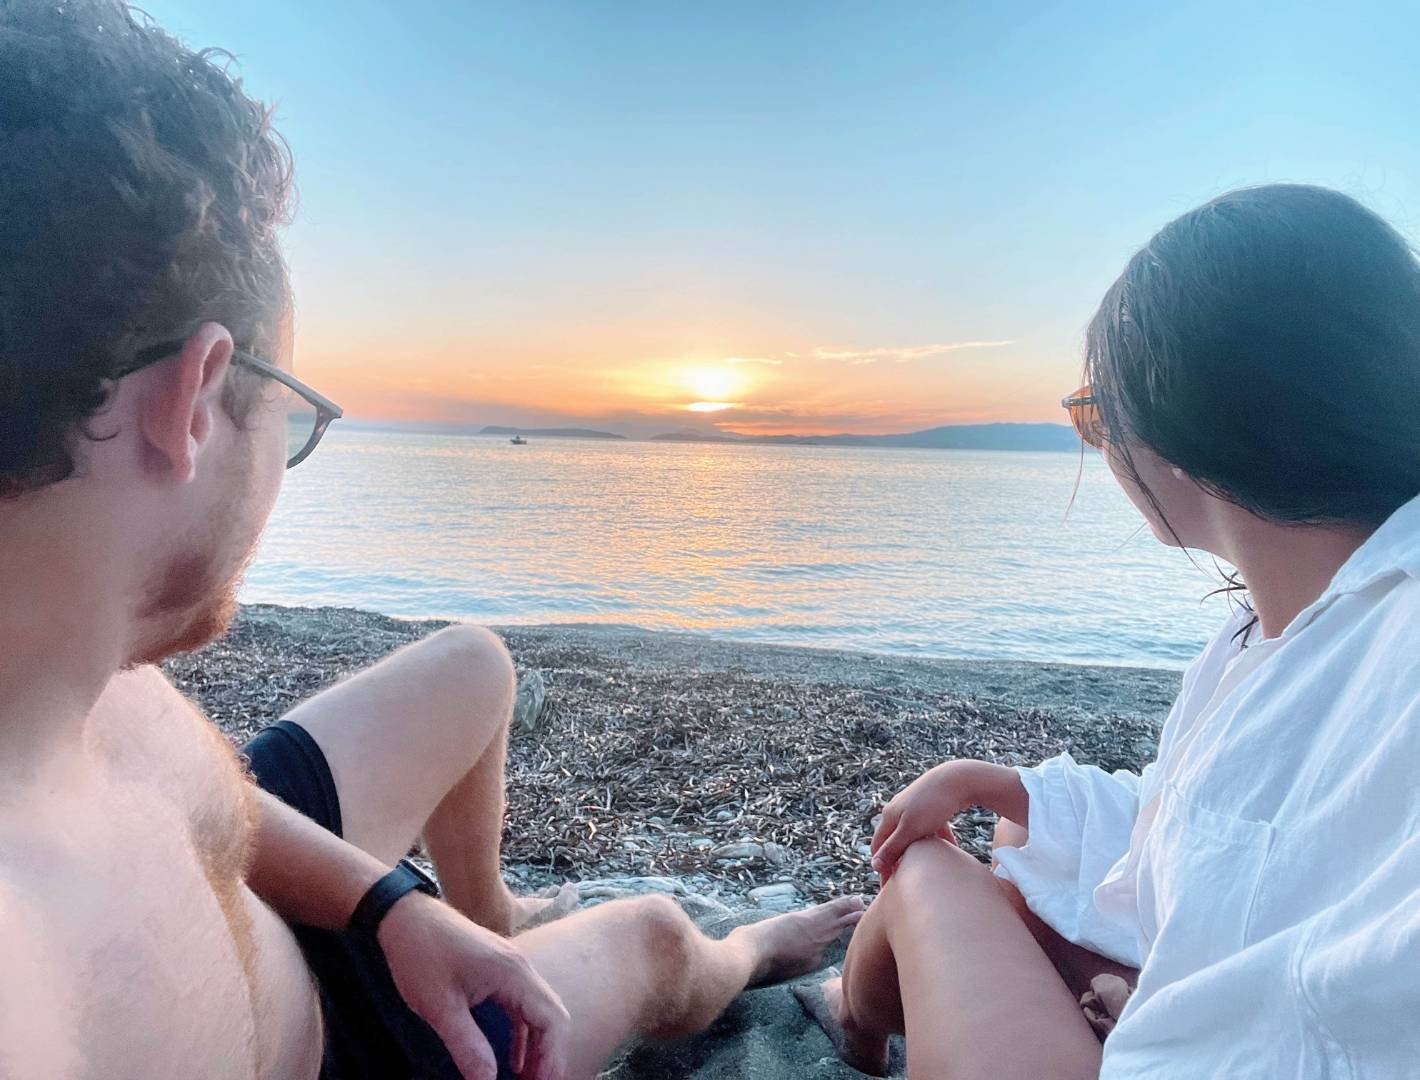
<point>788,946</point>
<point>824,1002</point>
<point>547,906</point>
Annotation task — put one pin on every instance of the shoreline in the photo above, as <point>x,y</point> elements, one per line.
<point>722,765</point>
<point>728,639</point>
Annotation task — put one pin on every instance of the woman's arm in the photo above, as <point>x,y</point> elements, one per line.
<point>927,805</point>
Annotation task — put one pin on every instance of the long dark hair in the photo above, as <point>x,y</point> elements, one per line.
<point>1268,344</point>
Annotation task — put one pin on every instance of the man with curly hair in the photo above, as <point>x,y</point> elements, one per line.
<point>168,908</point>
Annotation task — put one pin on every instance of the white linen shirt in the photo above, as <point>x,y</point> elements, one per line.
<point>1264,872</point>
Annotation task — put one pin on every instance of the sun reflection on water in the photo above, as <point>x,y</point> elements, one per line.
<point>935,553</point>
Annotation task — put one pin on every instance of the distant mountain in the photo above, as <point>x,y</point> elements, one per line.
<point>950,437</point>
<point>551,433</point>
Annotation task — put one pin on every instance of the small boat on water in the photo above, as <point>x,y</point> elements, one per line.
<point>518,440</point>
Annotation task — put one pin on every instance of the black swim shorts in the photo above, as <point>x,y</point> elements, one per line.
<point>370,1033</point>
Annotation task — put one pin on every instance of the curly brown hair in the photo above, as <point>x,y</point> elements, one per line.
<point>141,194</point>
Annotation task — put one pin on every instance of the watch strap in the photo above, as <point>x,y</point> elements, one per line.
<point>404,879</point>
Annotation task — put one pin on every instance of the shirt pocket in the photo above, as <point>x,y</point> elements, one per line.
<point>1198,884</point>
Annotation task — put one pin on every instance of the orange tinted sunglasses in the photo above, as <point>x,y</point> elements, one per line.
<point>1085,415</point>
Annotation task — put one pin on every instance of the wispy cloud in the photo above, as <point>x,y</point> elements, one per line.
<point>817,418</point>
<point>902,354</point>
<point>767,361</point>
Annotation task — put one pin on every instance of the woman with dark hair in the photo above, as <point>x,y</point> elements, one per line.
<point>1248,906</point>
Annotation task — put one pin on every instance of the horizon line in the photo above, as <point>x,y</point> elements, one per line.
<point>463,427</point>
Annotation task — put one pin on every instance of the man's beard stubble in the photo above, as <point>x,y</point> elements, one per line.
<point>193,598</point>
<point>194,607</point>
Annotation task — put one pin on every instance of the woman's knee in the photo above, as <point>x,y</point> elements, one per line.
<point>929,865</point>
<point>1008,834</point>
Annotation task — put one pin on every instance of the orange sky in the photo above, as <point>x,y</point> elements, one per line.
<point>528,214</point>
<point>661,380</point>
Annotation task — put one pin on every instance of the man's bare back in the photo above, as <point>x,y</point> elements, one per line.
<point>158,810</point>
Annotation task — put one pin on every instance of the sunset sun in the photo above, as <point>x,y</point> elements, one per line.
<point>714,384</point>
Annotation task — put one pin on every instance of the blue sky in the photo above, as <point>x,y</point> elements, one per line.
<point>528,211</point>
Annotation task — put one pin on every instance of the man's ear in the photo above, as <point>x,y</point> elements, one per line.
<point>182,400</point>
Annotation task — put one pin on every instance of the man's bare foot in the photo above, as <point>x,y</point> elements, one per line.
<point>824,1002</point>
<point>788,946</point>
<point>548,906</point>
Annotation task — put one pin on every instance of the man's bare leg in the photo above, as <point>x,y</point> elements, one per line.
<point>939,954</point>
<point>418,745</point>
<point>641,968</point>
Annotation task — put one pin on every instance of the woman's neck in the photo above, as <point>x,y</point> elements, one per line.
<point>1285,567</point>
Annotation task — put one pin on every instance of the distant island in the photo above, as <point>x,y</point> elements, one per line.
<point>1002,436</point>
<point>551,432</point>
<point>950,437</point>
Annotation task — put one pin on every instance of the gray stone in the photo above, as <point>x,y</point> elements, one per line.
<point>782,896</point>
<point>775,854</point>
<point>746,850</point>
<point>706,910</point>
<point>615,888</point>
<point>531,708</point>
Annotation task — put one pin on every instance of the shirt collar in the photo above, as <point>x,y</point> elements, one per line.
<point>1394,548</point>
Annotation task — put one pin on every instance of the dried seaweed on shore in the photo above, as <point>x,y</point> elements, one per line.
<point>735,780</point>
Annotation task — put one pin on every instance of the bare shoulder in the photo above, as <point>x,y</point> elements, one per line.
<point>159,745</point>
<point>40,1033</point>
<point>147,729</point>
<point>139,701</point>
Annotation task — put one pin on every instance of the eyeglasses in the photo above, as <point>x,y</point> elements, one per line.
<point>1085,415</point>
<point>305,427</point>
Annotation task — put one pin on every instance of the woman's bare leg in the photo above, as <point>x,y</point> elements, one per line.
<point>1076,964</point>
<point>940,957</point>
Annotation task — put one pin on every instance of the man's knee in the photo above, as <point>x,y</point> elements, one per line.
<point>667,937</point>
<point>665,928</point>
<point>472,662</point>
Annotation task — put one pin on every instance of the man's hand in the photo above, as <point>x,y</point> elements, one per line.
<point>926,806</point>
<point>444,965</point>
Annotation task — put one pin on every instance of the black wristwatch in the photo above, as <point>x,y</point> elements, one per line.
<point>405,878</point>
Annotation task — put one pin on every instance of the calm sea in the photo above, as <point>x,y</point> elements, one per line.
<point>927,552</point>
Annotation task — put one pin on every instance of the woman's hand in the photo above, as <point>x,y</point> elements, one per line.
<point>926,807</point>
<point>444,965</point>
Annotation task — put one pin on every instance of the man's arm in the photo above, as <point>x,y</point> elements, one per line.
<point>306,873</point>
<point>442,963</point>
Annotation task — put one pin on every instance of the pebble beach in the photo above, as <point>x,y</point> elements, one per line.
<point>742,779</point>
